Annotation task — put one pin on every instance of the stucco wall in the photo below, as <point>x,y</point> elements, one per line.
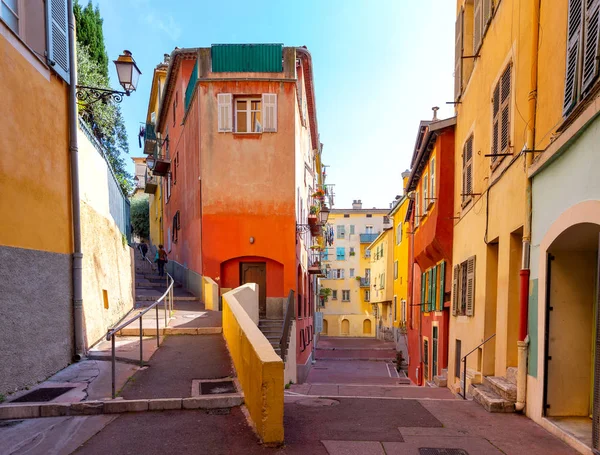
<point>355,325</point>
<point>107,266</point>
<point>556,207</point>
<point>259,369</point>
<point>36,324</point>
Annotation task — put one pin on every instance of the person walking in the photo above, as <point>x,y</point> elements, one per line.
<point>161,260</point>
<point>143,249</point>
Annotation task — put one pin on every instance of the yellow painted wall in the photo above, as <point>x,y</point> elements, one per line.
<point>382,268</point>
<point>357,310</point>
<point>34,169</point>
<point>259,369</point>
<point>400,252</point>
<point>507,40</point>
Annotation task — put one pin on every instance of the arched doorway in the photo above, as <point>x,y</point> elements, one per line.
<point>325,327</point>
<point>345,327</point>
<point>367,327</point>
<point>571,314</point>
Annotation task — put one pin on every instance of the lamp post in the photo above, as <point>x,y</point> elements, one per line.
<point>324,215</point>
<point>128,73</point>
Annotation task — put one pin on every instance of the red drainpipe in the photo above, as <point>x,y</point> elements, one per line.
<point>523,303</point>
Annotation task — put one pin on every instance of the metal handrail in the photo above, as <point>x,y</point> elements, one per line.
<point>287,323</point>
<point>464,361</point>
<point>167,297</point>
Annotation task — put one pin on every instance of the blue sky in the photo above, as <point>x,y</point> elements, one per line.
<point>379,68</point>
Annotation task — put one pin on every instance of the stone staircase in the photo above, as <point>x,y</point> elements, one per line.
<point>497,393</point>
<point>271,328</point>
<point>442,379</point>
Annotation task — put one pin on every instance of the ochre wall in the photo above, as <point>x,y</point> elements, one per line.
<point>34,168</point>
<point>401,256</point>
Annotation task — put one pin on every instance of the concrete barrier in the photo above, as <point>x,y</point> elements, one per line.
<point>259,369</point>
<point>211,294</point>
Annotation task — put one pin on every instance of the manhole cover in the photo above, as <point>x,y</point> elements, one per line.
<point>430,451</point>
<point>211,388</point>
<point>318,402</point>
<point>42,394</point>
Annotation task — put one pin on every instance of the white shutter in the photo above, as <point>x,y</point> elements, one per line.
<point>57,29</point>
<point>225,112</point>
<point>269,111</point>
<point>591,42</point>
<point>477,27</point>
<point>573,50</point>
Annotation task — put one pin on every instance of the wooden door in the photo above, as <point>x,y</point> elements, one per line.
<point>256,272</point>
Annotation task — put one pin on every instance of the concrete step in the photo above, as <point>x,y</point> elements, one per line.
<point>152,298</point>
<point>511,374</point>
<point>501,386</point>
<point>490,400</point>
<point>440,381</point>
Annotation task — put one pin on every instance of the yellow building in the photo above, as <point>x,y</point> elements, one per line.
<point>382,290</point>
<point>494,60</point>
<point>400,268</point>
<point>153,183</point>
<point>347,310</point>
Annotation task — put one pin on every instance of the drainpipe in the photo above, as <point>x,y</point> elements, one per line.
<point>523,342</point>
<point>74,152</point>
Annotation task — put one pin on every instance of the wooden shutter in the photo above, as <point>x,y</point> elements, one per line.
<point>442,285</point>
<point>458,53</point>
<point>468,169</point>
<point>505,88</point>
<point>455,281</point>
<point>477,26</point>
<point>269,111</point>
<point>591,42</point>
<point>496,122</point>
<point>487,14</point>
<point>57,29</point>
<point>225,101</point>
<point>433,289</point>
<point>470,291</point>
<point>423,302</point>
<point>574,32</point>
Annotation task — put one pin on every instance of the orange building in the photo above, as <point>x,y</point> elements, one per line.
<point>237,147</point>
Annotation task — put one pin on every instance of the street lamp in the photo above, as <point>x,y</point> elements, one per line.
<point>324,215</point>
<point>128,73</point>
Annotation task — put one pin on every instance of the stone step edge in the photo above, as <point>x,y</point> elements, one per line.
<point>146,331</point>
<point>354,349</point>
<point>118,406</point>
<point>372,359</point>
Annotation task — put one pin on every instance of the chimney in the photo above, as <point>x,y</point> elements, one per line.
<point>405,176</point>
<point>356,204</point>
<point>435,109</point>
<point>167,58</point>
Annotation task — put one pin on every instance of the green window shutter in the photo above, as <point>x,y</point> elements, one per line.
<point>423,296</point>
<point>430,286</point>
<point>442,285</point>
<point>455,289</point>
<point>433,291</point>
<point>57,30</point>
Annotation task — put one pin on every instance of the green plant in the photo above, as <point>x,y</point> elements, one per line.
<point>352,253</point>
<point>124,240</point>
<point>325,293</point>
<point>358,278</point>
<point>140,217</point>
<point>2,398</point>
<point>314,210</point>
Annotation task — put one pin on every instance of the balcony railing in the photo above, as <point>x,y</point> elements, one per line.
<point>368,238</point>
<point>149,138</point>
<point>151,182</point>
<point>160,163</point>
<point>365,282</point>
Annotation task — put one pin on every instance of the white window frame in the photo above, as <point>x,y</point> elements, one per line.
<point>334,294</point>
<point>351,273</point>
<point>432,180</point>
<point>249,112</point>
<point>399,234</point>
<point>417,208</point>
<point>367,295</point>
<point>425,193</point>
<point>345,292</point>
<point>395,270</point>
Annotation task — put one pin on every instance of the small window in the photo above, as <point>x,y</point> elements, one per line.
<point>175,103</point>
<point>432,180</point>
<point>395,270</point>
<point>345,295</point>
<point>351,273</point>
<point>399,234</point>
<point>351,229</point>
<point>352,252</point>
<point>425,193</point>
<point>168,185</point>
<point>395,308</point>
<point>369,215</point>
<point>248,115</point>
<point>340,253</point>
<point>367,295</point>
<point>417,209</point>
<point>367,253</point>
<point>501,115</point>
<point>346,215</point>
<point>463,288</point>
<point>341,231</point>
<point>386,220</point>
<point>334,294</point>
<point>467,171</point>
<point>9,12</point>
<point>369,229</point>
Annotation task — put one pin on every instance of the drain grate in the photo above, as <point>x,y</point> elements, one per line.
<point>431,451</point>
<point>211,388</point>
<point>42,394</point>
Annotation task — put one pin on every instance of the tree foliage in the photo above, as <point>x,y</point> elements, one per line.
<point>104,119</point>
<point>140,217</point>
